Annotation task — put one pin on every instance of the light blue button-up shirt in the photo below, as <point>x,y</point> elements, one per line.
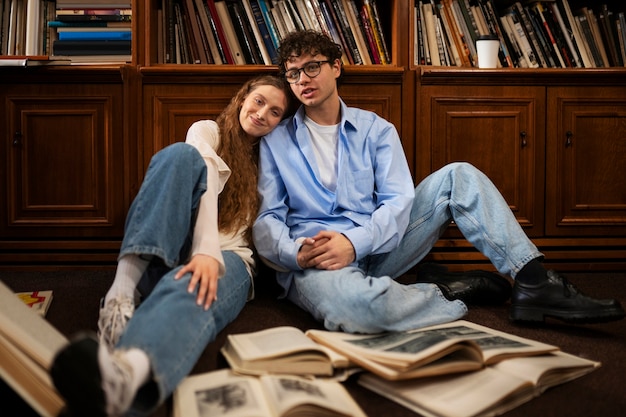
<point>370,206</point>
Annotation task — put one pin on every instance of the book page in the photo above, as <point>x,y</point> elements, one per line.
<point>271,343</point>
<point>294,396</point>
<point>220,393</point>
<point>548,370</point>
<point>481,393</point>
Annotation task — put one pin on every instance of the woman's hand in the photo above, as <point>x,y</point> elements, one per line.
<point>205,272</point>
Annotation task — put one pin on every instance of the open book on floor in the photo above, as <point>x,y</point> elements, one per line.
<point>28,344</point>
<point>447,348</point>
<point>283,349</point>
<point>224,393</point>
<point>490,391</point>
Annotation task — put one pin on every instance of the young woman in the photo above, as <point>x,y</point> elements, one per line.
<point>191,265</point>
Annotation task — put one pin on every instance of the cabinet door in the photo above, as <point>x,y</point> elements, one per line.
<point>500,130</point>
<point>64,162</point>
<point>586,145</point>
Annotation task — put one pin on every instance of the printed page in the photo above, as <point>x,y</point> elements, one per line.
<point>220,393</point>
<point>481,393</point>
<point>294,396</point>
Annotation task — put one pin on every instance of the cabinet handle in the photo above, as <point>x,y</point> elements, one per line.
<point>17,139</point>
<point>568,138</point>
<point>522,136</point>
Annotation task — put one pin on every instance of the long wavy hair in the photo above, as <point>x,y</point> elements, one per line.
<point>239,202</point>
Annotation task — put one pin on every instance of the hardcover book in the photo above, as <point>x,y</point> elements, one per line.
<point>28,344</point>
<point>488,392</point>
<point>282,349</point>
<point>459,346</point>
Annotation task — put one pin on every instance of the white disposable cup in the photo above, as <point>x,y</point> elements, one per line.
<point>487,48</point>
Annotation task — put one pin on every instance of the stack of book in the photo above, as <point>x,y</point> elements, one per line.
<point>92,30</point>
<point>533,34</point>
<point>250,31</point>
<point>458,369</point>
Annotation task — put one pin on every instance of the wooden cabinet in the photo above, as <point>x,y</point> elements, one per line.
<point>553,142</point>
<point>586,185</point>
<point>498,129</point>
<point>63,160</point>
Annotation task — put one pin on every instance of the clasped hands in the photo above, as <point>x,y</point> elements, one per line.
<point>326,250</point>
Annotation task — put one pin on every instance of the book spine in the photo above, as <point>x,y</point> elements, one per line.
<point>219,29</point>
<point>370,36</point>
<point>368,6</point>
<point>269,21</point>
<point>522,39</point>
<point>429,21</point>
<point>379,28</point>
<point>576,59</point>
<point>590,41</point>
<point>239,26</point>
<point>229,32</point>
<point>540,55</point>
<point>264,31</point>
<point>347,33</point>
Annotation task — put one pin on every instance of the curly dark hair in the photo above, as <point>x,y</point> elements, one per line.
<point>307,42</point>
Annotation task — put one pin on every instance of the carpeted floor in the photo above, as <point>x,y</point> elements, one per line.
<point>601,393</point>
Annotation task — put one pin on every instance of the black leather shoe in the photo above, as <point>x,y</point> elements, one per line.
<point>558,298</point>
<point>472,287</point>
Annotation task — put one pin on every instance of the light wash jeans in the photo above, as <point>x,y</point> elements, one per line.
<point>365,298</point>
<point>168,325</point>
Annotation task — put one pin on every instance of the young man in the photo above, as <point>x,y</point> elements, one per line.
<point>340,219</point>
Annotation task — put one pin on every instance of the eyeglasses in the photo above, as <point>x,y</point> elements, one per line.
<point>311,69</point>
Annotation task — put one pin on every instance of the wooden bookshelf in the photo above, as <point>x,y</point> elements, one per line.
<point>560,193</point>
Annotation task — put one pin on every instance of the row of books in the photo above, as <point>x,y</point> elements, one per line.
<point>250,31</point>
<point>533,34</point>
<point>83,30</point>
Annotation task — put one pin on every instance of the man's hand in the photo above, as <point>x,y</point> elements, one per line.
<point>326,250</point>
<point>205,274</point>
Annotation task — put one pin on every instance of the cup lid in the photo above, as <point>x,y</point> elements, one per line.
<point>490,37</point>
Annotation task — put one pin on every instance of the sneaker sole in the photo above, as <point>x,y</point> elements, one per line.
<point>76,375</point>
<point>533,314</point>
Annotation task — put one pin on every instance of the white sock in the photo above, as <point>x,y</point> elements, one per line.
<point>129,270</point>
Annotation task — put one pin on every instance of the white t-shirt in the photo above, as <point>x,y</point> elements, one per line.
<point>324,143</point>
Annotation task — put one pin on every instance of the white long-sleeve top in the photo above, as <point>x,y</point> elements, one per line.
<point>207,240</point>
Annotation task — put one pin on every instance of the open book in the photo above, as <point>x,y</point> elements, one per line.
<point>490,391</point>
<point>458,346</point>
<point>284,350</point>
<point>28,344</point>
<point>224,393</point>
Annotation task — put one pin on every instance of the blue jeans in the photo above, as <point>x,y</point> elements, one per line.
<point>365,298</point>
<point>168,325</point>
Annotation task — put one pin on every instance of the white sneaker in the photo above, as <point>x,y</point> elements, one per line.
<point>114,317</point>
<point>116,380</point>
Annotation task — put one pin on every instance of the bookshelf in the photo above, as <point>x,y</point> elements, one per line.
<point>559,193</point>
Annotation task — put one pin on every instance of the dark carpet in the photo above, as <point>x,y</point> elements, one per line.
<point>601,393</point>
